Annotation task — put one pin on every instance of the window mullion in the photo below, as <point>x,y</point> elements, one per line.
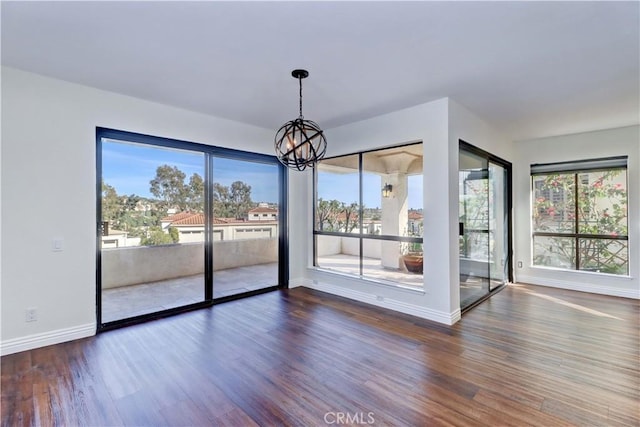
<point>599,240</point>
<point>576,218</point>
<point>360,212</point>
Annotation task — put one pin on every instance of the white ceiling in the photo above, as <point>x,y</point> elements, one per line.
<point>530,69</point>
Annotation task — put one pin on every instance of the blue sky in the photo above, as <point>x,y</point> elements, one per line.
<point>130,167</point>
<point>344,188</point>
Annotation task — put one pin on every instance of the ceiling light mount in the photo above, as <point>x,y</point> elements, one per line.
<point>300,74</point>
<point>300,143</point>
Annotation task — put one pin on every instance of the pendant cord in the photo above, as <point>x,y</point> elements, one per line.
<point>300,81</point>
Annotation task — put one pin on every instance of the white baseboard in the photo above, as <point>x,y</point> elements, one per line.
<point>403,307</point>
<point>594,289</point>
<point>299,281</point>
<point>44,339</point>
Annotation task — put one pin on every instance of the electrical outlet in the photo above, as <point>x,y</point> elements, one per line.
<point>57,244</point>
<point>519,264</point>
<point>31,314</point>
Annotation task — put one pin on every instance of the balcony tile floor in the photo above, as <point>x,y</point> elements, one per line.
<point>134,300</point>
<point>372,269</point>
<point>128,301</point>
<point>471,288</point>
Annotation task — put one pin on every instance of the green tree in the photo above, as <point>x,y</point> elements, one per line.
<point>221,200</point>
<point>233,201</point>
<point>332,215</point>
<point>601,211</point>
<point>241,203</point>
<point>195,194</point>
<point>130,202</point>
<point>155,236</point>
<point>168,185</point>
<point>349,218</point>
<point>474,215</point>
<point>174,234</point>
<point>111,205</point>
<point>326,214</point>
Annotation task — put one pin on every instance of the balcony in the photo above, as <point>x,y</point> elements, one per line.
<point>341,254</point>
<point>371,269</point>
<point>146,279</point>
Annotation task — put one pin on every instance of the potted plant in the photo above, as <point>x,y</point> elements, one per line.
<point>412,257</point>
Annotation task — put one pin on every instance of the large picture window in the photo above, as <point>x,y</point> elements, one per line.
<point>579,215</point>
<point>184,225</point>
<point>368,215</point>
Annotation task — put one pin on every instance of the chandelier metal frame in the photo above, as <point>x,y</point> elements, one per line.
<point>300,143</point>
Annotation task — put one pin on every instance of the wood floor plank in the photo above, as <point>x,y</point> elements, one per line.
<point>517,411</point>
<point>527,356</point>
<point>17,408</point>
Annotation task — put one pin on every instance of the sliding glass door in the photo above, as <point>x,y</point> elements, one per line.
<point>484,222</point>
<point>245,213</point>
<point>182,225</point>
<point>498,225</point>
<point>148,262</point>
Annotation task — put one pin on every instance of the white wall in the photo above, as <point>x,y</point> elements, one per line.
<point>49,176</point>
<point>428,123</point>
<point>589,145</point>
<point>464,125</point>
<point>439,127</point>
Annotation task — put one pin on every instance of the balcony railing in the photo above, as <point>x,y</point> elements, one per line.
<point>145,264</point>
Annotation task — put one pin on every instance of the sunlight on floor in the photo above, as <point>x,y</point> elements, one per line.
<point>564,303</point>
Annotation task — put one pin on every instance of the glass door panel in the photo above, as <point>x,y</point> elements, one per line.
<point>474,222</point>
<point>245,215</point>
<point>152,229</point>
<point>484,209</point>
<point>498,226</point>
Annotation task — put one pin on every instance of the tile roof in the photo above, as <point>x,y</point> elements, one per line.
<point>191,219</point>
<point>415,215</point>
<point>262,209</point>
<point>197,219</point>
<point>177,217</point>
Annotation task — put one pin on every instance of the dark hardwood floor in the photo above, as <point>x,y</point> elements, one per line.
<point>527,356</point>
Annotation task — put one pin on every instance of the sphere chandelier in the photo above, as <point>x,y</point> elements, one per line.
<point>300,143</point>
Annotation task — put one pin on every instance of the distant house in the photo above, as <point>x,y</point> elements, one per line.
<point>414,223</point>
<point>112,238</point>
<point>191,229</point>
<point>176,218</point>
<point>190,226</point>
<point>263,213</point>
<point>372,226</point>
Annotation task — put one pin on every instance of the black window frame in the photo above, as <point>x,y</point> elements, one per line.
<point>576,168</point>
<point>360,236</point>
<point>210,152</point>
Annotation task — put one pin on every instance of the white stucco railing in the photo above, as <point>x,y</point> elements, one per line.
<point>333,245</point>
<point>144,264</point>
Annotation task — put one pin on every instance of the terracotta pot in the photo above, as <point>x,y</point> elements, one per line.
<point>413,263</point>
